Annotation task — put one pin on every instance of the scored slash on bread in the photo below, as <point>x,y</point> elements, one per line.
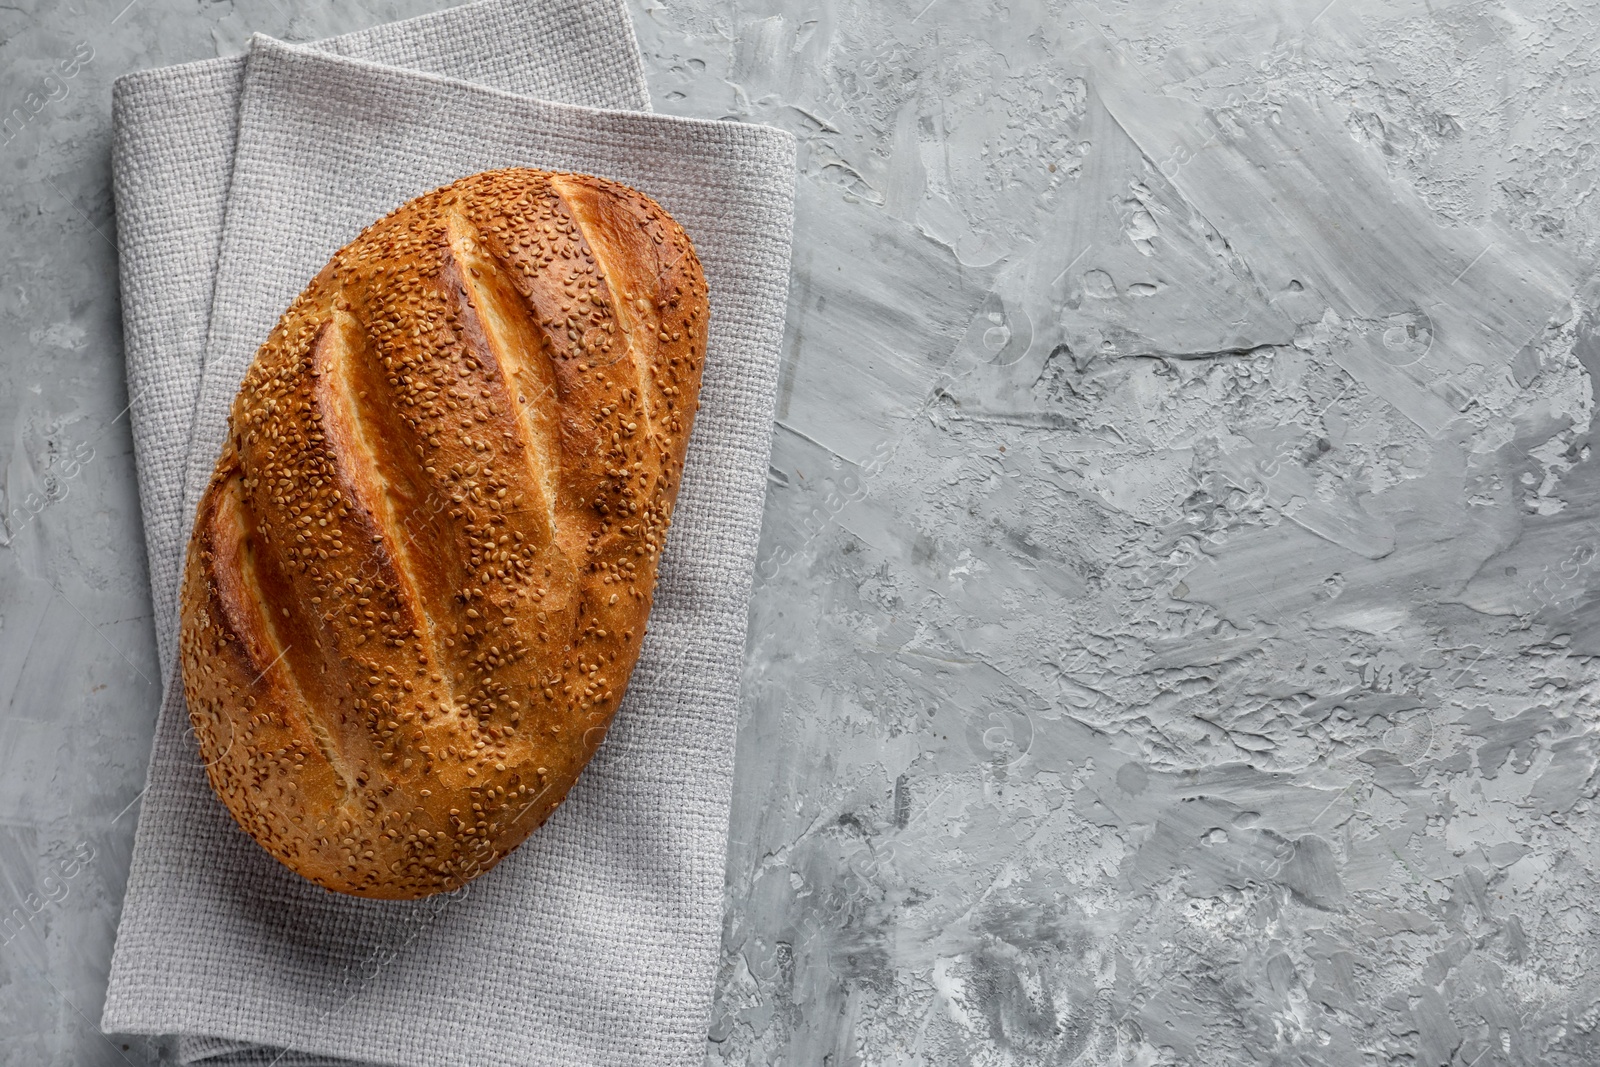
<point>419,577</point>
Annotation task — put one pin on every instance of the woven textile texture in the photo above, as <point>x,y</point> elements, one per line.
<point>596,941</point>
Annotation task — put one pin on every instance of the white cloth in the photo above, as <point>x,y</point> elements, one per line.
<point>596,942</point>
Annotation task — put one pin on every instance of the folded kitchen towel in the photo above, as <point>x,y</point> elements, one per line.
<point>596,942</point>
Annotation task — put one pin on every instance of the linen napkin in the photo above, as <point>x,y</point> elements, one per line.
<point>596,942</point>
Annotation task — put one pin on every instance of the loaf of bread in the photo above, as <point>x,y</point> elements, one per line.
<point>419,577</point>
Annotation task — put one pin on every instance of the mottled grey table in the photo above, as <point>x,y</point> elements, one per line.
<point>1173,638</point>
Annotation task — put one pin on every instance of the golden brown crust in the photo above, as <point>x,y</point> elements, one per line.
<point>419,578</point>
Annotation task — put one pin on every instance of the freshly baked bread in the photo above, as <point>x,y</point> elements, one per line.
<point>419,578</point>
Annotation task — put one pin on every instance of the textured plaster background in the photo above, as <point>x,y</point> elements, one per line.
<point>1174,635</point>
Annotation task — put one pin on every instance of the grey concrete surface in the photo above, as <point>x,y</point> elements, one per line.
<point>1174,635</point>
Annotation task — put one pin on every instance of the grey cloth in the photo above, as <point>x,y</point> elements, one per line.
<point>596,942</point>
